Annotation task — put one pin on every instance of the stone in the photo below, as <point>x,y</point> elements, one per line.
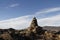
<point>34,22</point>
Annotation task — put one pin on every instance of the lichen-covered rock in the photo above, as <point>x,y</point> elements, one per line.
<point>6,36</point>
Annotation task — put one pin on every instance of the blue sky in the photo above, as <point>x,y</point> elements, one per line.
<point>24,7</point>
<point>14,11</point>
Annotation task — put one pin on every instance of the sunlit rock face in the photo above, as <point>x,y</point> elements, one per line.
<point>34,26</point>
<point>34,22</point>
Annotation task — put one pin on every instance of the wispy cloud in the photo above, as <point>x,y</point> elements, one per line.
<point>45,11</point>
<point>24,21</point>
<point>13,5</point>
<point>17,23</point>
<point>51,21</point>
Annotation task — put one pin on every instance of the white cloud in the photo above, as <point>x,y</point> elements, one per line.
<point>45,11</point>
<point>13,5</point>
<point>24,21</point>
<point>51,21</point>
<point>17,23</point>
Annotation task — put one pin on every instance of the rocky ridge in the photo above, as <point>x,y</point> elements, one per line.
<point>34,32</point>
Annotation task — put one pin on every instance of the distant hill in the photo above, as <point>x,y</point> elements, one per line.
<point>52,28</point>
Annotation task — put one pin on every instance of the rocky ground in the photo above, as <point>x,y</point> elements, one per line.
<point>34,32</point>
